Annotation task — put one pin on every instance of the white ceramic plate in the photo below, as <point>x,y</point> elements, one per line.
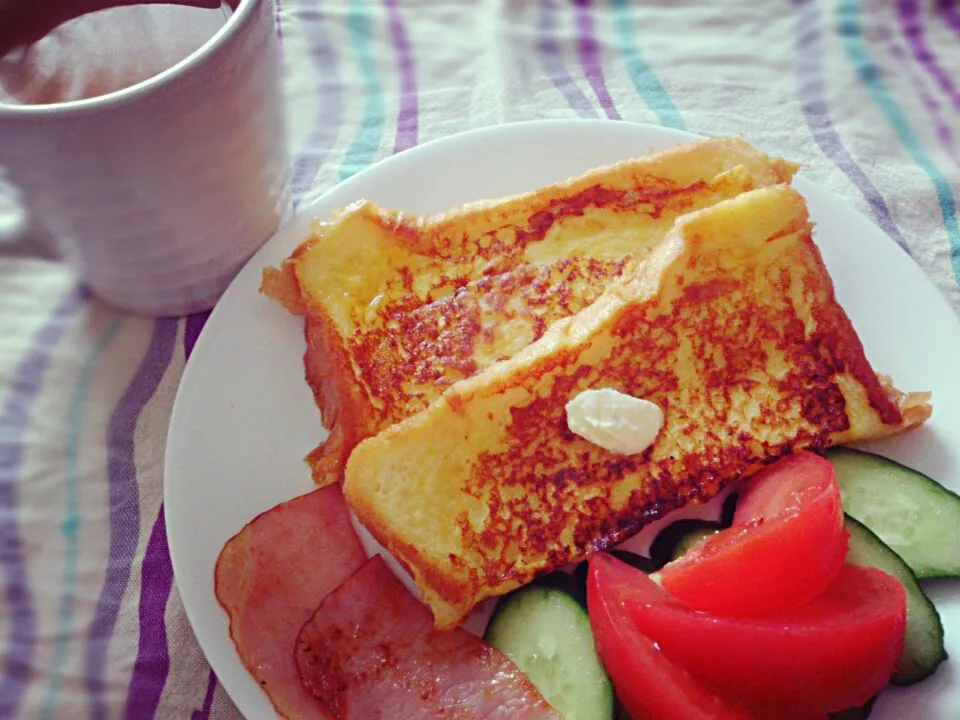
<point>244,418</point>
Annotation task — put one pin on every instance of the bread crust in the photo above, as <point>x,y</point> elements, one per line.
<point>399,307</point>
<point>730,325</point>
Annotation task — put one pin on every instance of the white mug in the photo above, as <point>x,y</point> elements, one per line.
<point>158,193</point>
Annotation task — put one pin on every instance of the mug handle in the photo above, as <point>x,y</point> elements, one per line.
<point>20,238</point>
<point>13,215</point>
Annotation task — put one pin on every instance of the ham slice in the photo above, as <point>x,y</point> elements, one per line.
<point>371,652</point>
<point>271,576</point>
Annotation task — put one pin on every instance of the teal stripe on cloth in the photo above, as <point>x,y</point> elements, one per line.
<point>20,640</point>
<point>123,502</point>
<point>811,90</point>
<point>851,32</point>
<point>70,527</point>
<point>364,147</point>
<point>322,52</point>
<point>647,84</point>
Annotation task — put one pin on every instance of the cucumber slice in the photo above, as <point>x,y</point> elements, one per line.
<point>912,513</point>
<point>692,537</point>
<point>546,632</point>
<point>923,648</point>
<point>574,585</point>
<point>856,713</point>
<point>664,547</point>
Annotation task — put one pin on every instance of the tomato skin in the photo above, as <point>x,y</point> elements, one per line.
<point>649,686</point>
<point>836,651</point>
<point>787,544</point>
<point>784,487</point>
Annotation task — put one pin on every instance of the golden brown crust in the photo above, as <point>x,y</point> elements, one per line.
<point>329,375</point>
<point>730,326</point>
<point>915,407</point>
<point>401,306</point>
<point>281,284</point>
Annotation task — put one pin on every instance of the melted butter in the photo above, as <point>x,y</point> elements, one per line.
<point>614,420</point>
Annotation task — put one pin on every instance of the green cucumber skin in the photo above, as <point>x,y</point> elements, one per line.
<point>923,645</point>
<point>857,713</point>
<point>664,547</point>
<point>690,540</point>
<point>570,583</point>
<point>547,606</point>
<point>912,513</point>
<point>923,648</point>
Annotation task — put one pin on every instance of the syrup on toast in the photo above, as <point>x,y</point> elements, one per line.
<point>399,307</point>
<point>730,326</point>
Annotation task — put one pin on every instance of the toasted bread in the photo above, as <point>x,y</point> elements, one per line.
<point>730,326</point>
<point>399,307</point>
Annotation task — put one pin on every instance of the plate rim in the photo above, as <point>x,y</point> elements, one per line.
<point>299,221</point>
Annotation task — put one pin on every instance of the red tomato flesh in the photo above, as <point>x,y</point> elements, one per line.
<point>835,652</point>
<point>784,487</point>
<point>650,686</point>
<point>786,545</point>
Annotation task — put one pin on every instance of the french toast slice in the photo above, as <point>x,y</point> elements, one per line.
<point>730,326</point>
<point>398,307</point>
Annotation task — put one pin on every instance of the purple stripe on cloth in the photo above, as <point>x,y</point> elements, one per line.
<point>810,87</point>
<point>278,24</point>
<point>950,12</point>
<point>912,25</point>
<point>329,91</point>
<point>204,712</point>
<point>15,669</point>
<point>408,117</point>
<point>590,59</point>
<point>124,496</point>
<point>551,60</point>
<point>191,331</point>
<point>153,659</point>
<point>944,133</point>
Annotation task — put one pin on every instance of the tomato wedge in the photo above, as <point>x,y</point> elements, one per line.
<point>648,684</point>
<point>786,545</point>
<point>835,652</point>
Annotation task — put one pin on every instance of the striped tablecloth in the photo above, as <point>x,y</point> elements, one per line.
<point>865,92</point>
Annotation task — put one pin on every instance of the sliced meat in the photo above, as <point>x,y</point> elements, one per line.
<point>371,652</point>
<point>271,576</point>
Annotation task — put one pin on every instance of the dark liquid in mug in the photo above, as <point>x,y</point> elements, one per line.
<point>105,51</point>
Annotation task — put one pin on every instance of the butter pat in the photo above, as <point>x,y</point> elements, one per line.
<point>614,420</point>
